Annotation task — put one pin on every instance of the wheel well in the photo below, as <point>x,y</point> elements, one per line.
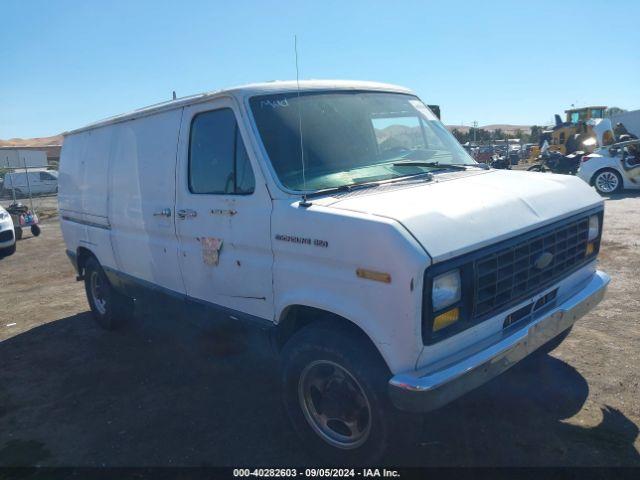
<point>296,317</point>
<point>83,254</point>
<point>597,172</point>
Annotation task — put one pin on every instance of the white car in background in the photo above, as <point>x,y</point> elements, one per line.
<point>612,168</point>
<point>7,234</point>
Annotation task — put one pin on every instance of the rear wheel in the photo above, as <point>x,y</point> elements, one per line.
<point>607,181</point>
<point>18,233</point>
<point>110,308</point>
<point>335,393</point>
<point>35,230</point>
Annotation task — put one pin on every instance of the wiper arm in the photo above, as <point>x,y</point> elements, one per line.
<point>343,189</point>
<point>444,166</point>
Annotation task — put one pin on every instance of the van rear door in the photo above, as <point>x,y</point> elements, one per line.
<point>223,213</point>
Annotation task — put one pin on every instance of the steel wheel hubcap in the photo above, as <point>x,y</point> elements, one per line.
<point>334,404</point>
<point>607,182</point>
<point>97,292</point>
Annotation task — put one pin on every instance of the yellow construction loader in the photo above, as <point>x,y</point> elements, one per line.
<point>569,136</point>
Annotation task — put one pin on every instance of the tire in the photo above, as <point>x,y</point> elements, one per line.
<point>607,181</point>
<point>35,230</point>
<point>330,370</point>
<point>109,308</point>
<point>18,231</point>
<point>535,168</point>
<point>5,252</point>
<point>552,344</point>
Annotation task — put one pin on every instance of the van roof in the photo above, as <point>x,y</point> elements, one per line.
<point>277,86</point>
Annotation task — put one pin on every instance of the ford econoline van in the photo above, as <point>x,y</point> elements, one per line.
<point>393,272</point>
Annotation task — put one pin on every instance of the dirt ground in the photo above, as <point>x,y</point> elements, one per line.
<point>168,391</point>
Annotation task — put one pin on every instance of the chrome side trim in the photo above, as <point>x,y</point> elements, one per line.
<point>425,390</point>
<point>86,222</point>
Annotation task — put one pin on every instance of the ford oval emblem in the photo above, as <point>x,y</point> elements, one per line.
<point>543,260</point>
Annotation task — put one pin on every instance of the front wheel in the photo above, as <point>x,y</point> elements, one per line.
<point>110,308</point>
<point>5,252</point>
<point>607,182</point>
<point>335,393</point>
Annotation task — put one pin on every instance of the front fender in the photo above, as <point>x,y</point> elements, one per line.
<point>323,276</point>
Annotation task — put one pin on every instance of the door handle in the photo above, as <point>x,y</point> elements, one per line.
<point>165,212</point>
<point>187,213</point>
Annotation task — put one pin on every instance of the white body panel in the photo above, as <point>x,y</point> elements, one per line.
<point>142,184</point>
<point>116,174</point>
<point>112,181</point>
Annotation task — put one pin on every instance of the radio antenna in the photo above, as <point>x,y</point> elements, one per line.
<point>304,203</point>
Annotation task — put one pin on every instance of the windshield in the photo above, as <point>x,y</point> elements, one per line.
<point>351,138</point>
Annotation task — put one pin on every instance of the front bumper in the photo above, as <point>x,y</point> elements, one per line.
<point>7,231</point>
<point>427,389</point>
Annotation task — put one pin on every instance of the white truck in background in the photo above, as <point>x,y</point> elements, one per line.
<point>393,273</point>
<point>630,119</point>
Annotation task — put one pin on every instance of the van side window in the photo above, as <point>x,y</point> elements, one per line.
<point>218,161</point>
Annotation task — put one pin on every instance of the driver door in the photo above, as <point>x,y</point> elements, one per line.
<point>223,213</point>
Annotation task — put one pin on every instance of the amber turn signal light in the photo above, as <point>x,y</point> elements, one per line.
<point>445,319</point>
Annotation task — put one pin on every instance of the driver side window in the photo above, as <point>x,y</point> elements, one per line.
<point>218,161</point>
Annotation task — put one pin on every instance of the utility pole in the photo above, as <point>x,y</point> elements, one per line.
<point>475,128</point>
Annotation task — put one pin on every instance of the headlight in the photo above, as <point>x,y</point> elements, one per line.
<point>446,290</point>
<point>594,227</point>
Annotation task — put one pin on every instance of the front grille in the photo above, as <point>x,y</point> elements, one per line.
<point>510,273</point>
<point>6,235</point>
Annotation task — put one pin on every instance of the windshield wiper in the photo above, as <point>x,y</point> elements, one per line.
<point>444,166</point>
<point>343,189</point>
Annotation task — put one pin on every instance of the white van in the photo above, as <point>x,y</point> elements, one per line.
<point>35,181</point>
<point>393,272</point>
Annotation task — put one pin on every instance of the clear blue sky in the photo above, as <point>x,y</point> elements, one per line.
<point>66,63</point>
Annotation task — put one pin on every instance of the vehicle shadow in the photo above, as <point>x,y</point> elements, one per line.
<point>622,195</point>
<point>520,418</point>
<point>166,391</point>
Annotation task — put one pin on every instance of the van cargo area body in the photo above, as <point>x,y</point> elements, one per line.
<point>393,272</point>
